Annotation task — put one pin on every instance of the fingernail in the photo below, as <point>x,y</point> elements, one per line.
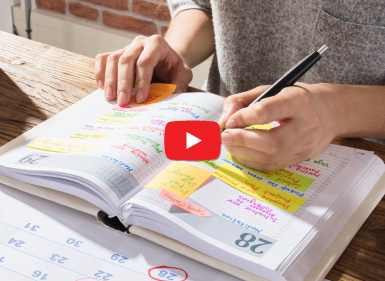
<point>109,93</point>
<point>231,124</point>
<point>226,138</point>
<point>222,118</point>
<point>122,98</point>
<point>101,84</point>
<point>139,96</point>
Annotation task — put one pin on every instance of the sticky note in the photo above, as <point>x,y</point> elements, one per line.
<point>182,179</point>
<point>210,163</point>
<point>284,177</point>
<point>62,145</point>
<point>158,92</point>
<point>184,204</point>
<point>89,136</point>
<point>260,127</point>
<point>258,189</point>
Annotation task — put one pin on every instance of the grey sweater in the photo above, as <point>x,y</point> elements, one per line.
<point>257,41</point>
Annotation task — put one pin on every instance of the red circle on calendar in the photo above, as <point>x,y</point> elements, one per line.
<point>164,273</point>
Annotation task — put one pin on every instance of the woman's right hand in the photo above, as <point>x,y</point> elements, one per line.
<point>146,56</point>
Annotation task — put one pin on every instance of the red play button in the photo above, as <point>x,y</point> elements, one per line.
<point>192,140</point>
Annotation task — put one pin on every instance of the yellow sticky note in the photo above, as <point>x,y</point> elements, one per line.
<point>62,145</point>
<point>258,189</point>
<point>260,127</point>
<point>283,176</point>
<point>158,92</point>
<point>182,179</point>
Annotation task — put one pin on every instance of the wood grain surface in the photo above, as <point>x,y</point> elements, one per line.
<point>38,81</point>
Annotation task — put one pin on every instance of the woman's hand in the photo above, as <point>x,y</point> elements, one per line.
<point>118,72</point>
<point>309,119</point>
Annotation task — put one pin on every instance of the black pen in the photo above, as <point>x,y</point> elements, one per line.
<point>292,75</point>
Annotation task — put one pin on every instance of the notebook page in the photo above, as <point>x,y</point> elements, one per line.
<point>333,170</point>
<point>40,240</point>
<point>116,148</point>
<point>255,231</point>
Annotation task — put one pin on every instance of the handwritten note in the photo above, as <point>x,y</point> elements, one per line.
<point>182,179</point>
<point>112,120</point>
<point>283,176</point>
<point>157,93</point>
<point>62,145</point>
<point>210,163</point>
<point>184,204</point>
<point>258,189</point>
<point>89,136</point>
<point>122,114</point>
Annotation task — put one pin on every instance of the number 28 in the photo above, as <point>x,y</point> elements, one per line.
<point>247,238</point>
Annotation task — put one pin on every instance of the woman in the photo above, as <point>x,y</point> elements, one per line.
<point>254,43</point>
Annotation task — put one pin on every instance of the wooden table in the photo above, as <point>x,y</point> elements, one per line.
<point>38,81</point>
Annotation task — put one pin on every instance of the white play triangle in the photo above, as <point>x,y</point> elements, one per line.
<point>191,140</point>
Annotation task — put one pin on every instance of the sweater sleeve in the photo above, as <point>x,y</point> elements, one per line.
<point>177,6</point>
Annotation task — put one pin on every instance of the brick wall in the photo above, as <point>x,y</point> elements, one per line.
<point>145,17</point>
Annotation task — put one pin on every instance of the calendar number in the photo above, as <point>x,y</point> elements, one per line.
<point>38,275</point>
<point>247,241</point>
<point>119,258</point>
<point>74,242</point>
<point>32,227</point>
<point>15,242</point>
<point>57,258</point>
<point>103,275</point>
<point>166,273</point>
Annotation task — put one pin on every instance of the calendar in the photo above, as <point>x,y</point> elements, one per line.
<point>41,240</point>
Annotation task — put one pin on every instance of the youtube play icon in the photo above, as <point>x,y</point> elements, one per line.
<point>192,140</point>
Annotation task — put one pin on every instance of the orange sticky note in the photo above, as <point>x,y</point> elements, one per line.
<point>184,204</point>
<point>158,92</point>
<point>182,179</point>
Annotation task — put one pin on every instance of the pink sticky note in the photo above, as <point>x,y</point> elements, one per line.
<point>184,204</point>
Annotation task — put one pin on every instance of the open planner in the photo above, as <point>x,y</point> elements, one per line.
<point>109,161</point>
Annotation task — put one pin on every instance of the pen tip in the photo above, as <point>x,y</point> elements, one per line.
<point>322,49</point>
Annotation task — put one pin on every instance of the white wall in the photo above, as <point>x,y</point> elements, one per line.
<point>6,14</point>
